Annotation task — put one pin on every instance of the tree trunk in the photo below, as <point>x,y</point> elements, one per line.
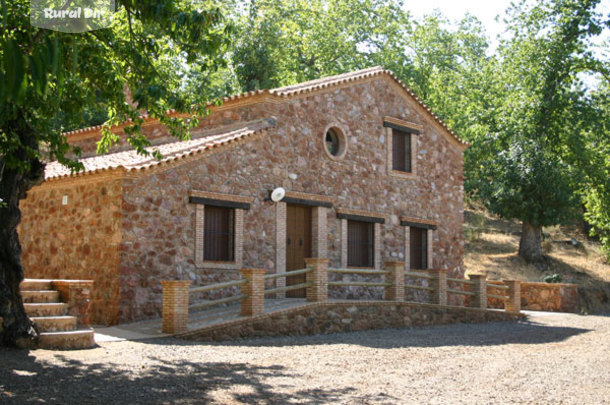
<point>16,329</point>
<point>530,245</point>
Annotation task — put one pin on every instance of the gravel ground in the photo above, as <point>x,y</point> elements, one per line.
<point>551,358</point>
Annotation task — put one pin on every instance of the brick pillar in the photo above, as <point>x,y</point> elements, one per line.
<point>175,305</point>
<point>479,288</point>
<point>513,303</point>
<point>318,292</point>
<point>254,290</point>
<point>438,295</point>
<point>395,277</point>
<point>76,294</point>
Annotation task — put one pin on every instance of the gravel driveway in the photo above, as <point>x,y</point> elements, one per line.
<point>551,358</point>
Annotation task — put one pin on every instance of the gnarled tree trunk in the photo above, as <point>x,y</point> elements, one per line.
<point>530,245</point>
<point>16,328</point>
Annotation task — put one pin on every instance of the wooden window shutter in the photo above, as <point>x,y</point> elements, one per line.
<point>418,248</point>
<point>360,244</point>
<point>219,233</point>
<point>401,151</point>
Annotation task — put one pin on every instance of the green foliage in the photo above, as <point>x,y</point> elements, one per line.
<point>530,166</point>
<point>528,183</point>
<point>554,278</point>
<point>281,43</point>
<point>54,81</point>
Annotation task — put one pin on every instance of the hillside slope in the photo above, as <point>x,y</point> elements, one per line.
<point>492,244</point>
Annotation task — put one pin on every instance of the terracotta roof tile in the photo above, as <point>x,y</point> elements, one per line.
<point>131,160</point>
<point>313,85</point>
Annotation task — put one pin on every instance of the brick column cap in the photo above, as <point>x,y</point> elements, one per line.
<point>249,270</point>
<point>477,276</point>
<point>511,281</point>
<point>175,283</point>
<point>394,263</point>
<point>316,260</point>
<point>435,270</point>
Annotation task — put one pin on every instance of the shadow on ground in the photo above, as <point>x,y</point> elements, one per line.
<point>488,334</point>
<point>23,380</point>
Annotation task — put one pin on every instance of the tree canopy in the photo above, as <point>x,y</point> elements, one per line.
<point>51,81</point>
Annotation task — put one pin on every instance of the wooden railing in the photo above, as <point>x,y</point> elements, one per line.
<point>293,287</point>
<point>217,286</point>
<point>353,283</point>
<point>252,289</point>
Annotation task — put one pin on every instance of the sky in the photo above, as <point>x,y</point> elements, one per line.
<point>484,10</point>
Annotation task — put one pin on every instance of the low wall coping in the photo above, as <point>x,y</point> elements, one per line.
<point>552,285</point>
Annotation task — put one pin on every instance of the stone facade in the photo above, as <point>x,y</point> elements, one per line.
<point>339,317</point>
<point>144,229</point>
<point>72,230</point>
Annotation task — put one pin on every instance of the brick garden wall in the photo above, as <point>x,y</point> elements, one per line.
<point>552,297</point>
<point>79,240</point>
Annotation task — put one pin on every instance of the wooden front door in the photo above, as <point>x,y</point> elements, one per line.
<point>298,245</point>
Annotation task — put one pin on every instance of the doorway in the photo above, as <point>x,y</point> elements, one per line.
<point>298,245</point>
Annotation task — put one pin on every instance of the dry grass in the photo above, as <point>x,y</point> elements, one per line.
<point>492,246</point>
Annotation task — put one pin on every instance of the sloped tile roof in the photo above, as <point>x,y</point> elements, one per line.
<point>318,84</point>
<point>130,160</point>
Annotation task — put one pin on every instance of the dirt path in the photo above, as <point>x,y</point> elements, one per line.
<point>551,358</point>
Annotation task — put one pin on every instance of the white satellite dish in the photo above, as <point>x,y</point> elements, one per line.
<point>278,194</point>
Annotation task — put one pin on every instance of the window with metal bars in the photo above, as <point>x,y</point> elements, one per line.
<point>401,151</point>
<point>418,238</point>
<point>360,244</point>
<point>219,234</point>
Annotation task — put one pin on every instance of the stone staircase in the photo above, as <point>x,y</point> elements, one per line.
<point>57,321</point>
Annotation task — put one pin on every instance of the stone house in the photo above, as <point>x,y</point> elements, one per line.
<point>370,175</point>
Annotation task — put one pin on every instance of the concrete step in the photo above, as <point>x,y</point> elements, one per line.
<point>46,309</point>
<point>54,323</point>
<point>40,296</point>
<point>31,284</point>
<point>76,339</point>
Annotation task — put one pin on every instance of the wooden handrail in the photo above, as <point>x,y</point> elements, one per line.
<point>449,290</point>
<point>357,284</point>
<point>461,281</point>
<point>217,302</point>
<point>358,271</point>
<point>288,288</point>
<point>217,286</point>
<point>288,273</point>
<point>419,275</point>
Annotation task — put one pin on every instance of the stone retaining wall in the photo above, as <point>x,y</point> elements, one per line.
<point>338,317</point>
<point>543,297</point>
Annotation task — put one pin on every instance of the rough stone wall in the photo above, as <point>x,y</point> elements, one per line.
<point>78,240</point>
<point>552,297</point>
<point>346,317</point>
<point>158,222</point>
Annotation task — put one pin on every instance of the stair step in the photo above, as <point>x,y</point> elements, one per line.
<point>32,284</point>
<point>40,296</point>
<point>76,339</point>
<point>46,309</point>
<point>55,323</point>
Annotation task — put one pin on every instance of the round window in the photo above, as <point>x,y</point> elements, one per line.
<point>332,142</point>
<point>335,143</point>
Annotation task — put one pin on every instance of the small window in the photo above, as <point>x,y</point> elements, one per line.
<point>401,151</point>
<point>335,143</point>
<point>332,142</point>
<point>418,246</point>
<point>360,244</point>
<point>219,234</point>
